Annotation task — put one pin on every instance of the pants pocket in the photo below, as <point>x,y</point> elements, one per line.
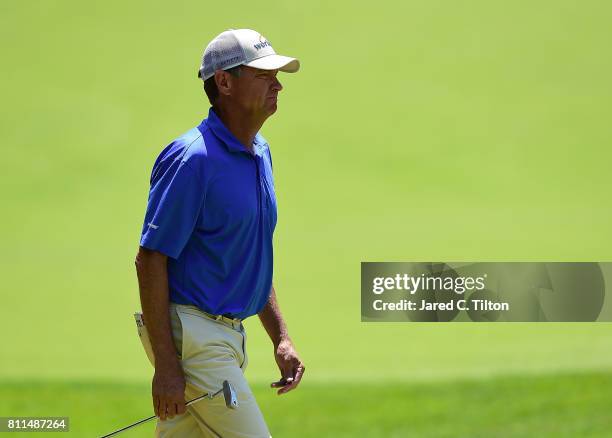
<point>178,331</point>
<point>245,360</point>
<point>143,334</point>
<point>183,331</point>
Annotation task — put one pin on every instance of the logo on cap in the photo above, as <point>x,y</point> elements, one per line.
<point>263,42</point>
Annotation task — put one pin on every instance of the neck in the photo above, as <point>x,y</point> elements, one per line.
<point>242,125</point>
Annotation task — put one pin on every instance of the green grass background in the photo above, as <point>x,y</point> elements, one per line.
<point>415,131</point>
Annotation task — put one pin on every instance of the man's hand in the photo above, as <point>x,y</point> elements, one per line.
<point>169,392</point>
<point>289,364</point>
<point>291,367</point>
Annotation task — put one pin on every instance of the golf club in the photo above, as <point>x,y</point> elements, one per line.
<point>229,394</point>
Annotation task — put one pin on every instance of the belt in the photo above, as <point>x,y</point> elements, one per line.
<point>226,317</point>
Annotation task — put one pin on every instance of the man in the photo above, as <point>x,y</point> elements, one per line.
<point>205,258</point>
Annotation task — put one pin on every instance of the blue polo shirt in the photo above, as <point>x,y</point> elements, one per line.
<point>212,211</point>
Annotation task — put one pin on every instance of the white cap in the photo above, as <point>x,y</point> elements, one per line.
<point>243,47</point>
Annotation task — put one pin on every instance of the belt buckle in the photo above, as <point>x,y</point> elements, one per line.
<point>231,318</point>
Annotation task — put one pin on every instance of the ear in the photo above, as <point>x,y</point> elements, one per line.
<point>224,82</point>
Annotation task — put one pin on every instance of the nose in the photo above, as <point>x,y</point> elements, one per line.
<point>276,85</point>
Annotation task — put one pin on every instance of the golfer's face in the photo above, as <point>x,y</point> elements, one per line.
<point>257,90</point>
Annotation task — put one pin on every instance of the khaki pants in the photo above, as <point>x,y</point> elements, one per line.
<point>211,351</point>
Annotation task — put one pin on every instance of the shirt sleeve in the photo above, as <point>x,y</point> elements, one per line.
<point>175,201</point>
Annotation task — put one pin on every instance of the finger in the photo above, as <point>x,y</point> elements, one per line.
<point>298,376</point>
<point>287,388</point>
<point>282,382</point>
<point>156,405</point>
<point>163,410</point>
<point>180,408</point>
<point>299,372</point>
<point>161,414</point>
<point>287,376</point>
<point>172,410</point>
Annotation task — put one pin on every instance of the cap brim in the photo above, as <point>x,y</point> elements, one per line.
<point>276,62</point>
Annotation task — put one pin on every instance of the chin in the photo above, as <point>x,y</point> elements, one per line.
<point>272,109</point>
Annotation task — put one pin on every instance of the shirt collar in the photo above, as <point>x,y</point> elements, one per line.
<point>231,142</point>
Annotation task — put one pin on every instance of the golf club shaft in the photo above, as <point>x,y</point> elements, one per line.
<point>129,427</point>
<point>144,420</point>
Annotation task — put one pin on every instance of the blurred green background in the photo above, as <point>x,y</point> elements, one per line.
<point>415,131</point>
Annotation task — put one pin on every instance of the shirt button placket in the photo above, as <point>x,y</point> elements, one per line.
<point>258,184</point>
